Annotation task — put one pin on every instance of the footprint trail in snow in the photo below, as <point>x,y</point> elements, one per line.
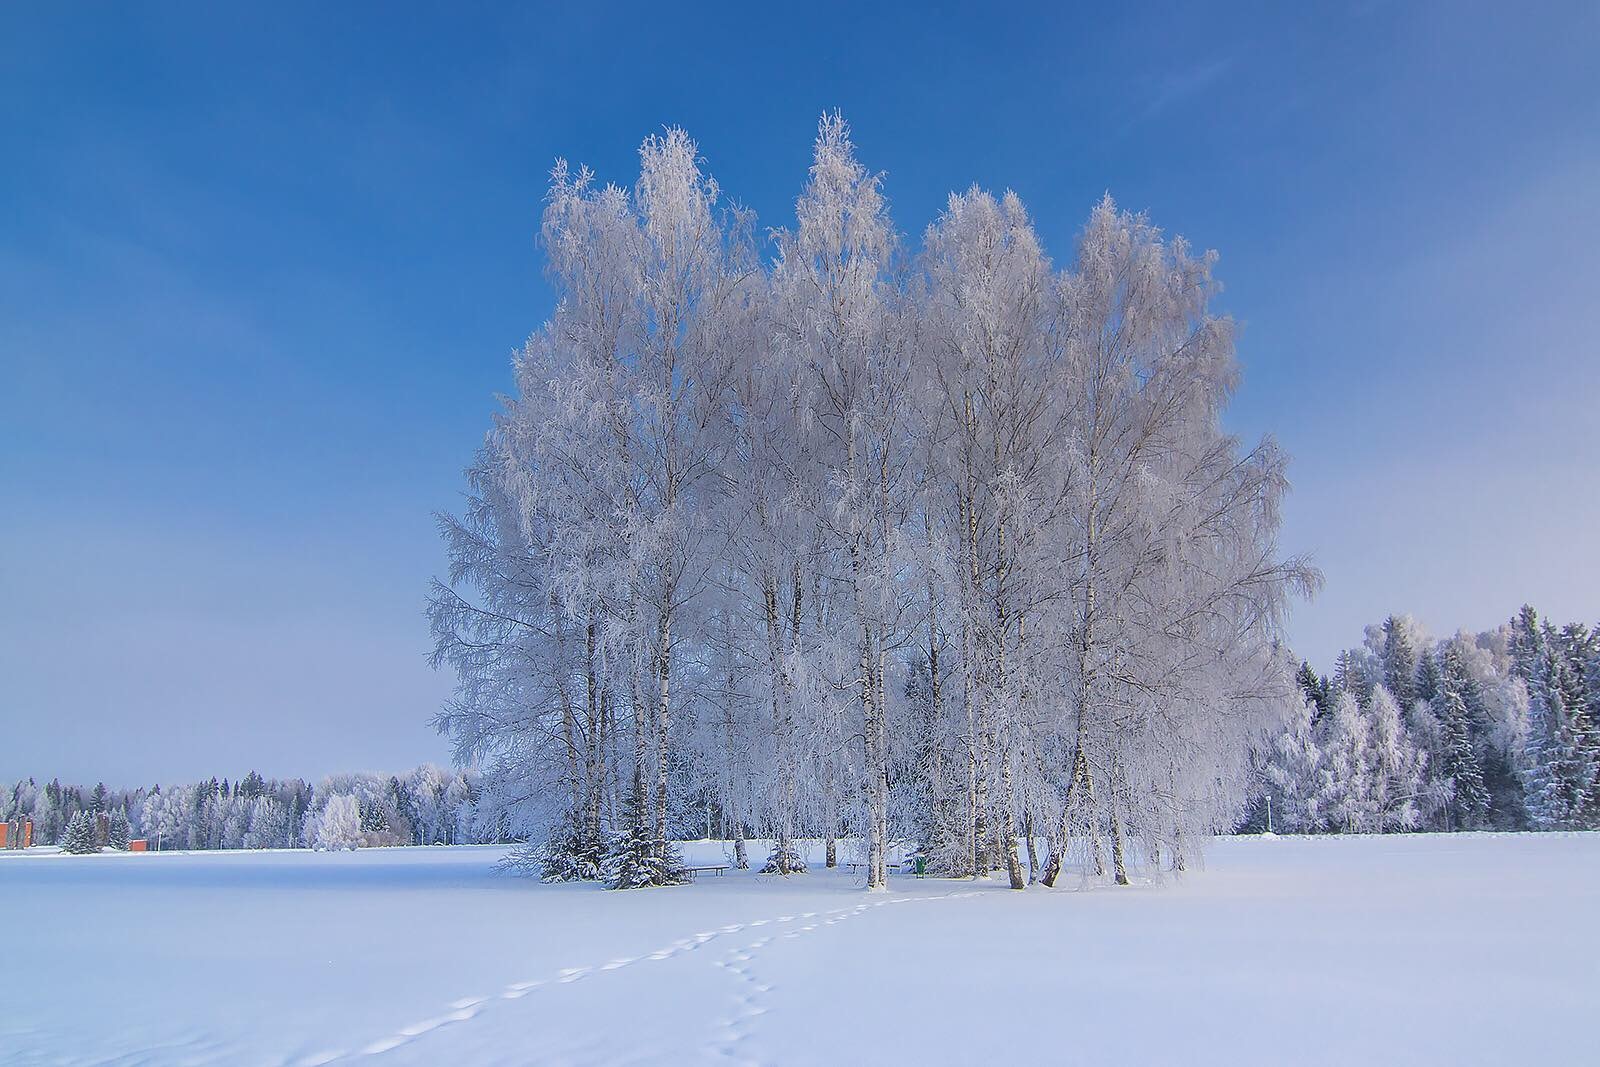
<point>750,1000</point>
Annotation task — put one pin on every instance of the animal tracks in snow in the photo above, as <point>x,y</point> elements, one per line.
<point>749,1002</point>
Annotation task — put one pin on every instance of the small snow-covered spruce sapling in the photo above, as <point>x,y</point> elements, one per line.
<point>570,855</point>
<point>784,859</point>
<point>640,860</point>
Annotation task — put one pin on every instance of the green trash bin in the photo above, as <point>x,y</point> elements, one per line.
<point>921,865</point>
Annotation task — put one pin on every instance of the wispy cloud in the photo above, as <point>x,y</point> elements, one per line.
<point>1183,84</point>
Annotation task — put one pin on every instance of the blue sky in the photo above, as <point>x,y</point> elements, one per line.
<point>261,272</point>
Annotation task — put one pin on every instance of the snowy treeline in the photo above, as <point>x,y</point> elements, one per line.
<point>1493,730</point>
<point>853,539</point>
<point>424,806</point>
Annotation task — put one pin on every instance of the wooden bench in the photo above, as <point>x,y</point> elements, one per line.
<point>715,869</point>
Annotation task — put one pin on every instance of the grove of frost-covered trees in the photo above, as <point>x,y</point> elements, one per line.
<point>424,806</point>
<point>1492,731</point>
<point>823,536</point>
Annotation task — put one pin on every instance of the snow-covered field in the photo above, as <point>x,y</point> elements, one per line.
<point>1408,949</point>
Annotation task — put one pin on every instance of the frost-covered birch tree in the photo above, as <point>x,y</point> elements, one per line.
<point>1179,592</point>
<point>993,428</point>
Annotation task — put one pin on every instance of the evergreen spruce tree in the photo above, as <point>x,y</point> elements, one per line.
<point>1591,687</point>
<point>79,837</point>
<point>1562,760</point>
<point>937,823</point>
<point>1527,645</point>
<point>1551,789</point>
<point>1316,690</point>
<point>1344,675</point>
<point>1559,766</point>
<point>570,855</point>
<point>638,858</point>
<point>1470,803</point>
<point>374,819</point>
<point>56,813</point>
<point>400,800</point>
<point>120,831</point>
<point>204,801</point>
<point>784,860</point>
<point>1429,680</point>
<point>1578,647</point>
<point>297,817</point>
<point>1530,661</point>
<point>1399,662</point>
<point>1591,671</point>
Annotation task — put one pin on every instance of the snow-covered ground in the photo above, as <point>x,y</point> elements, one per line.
<point>1406,949</point>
